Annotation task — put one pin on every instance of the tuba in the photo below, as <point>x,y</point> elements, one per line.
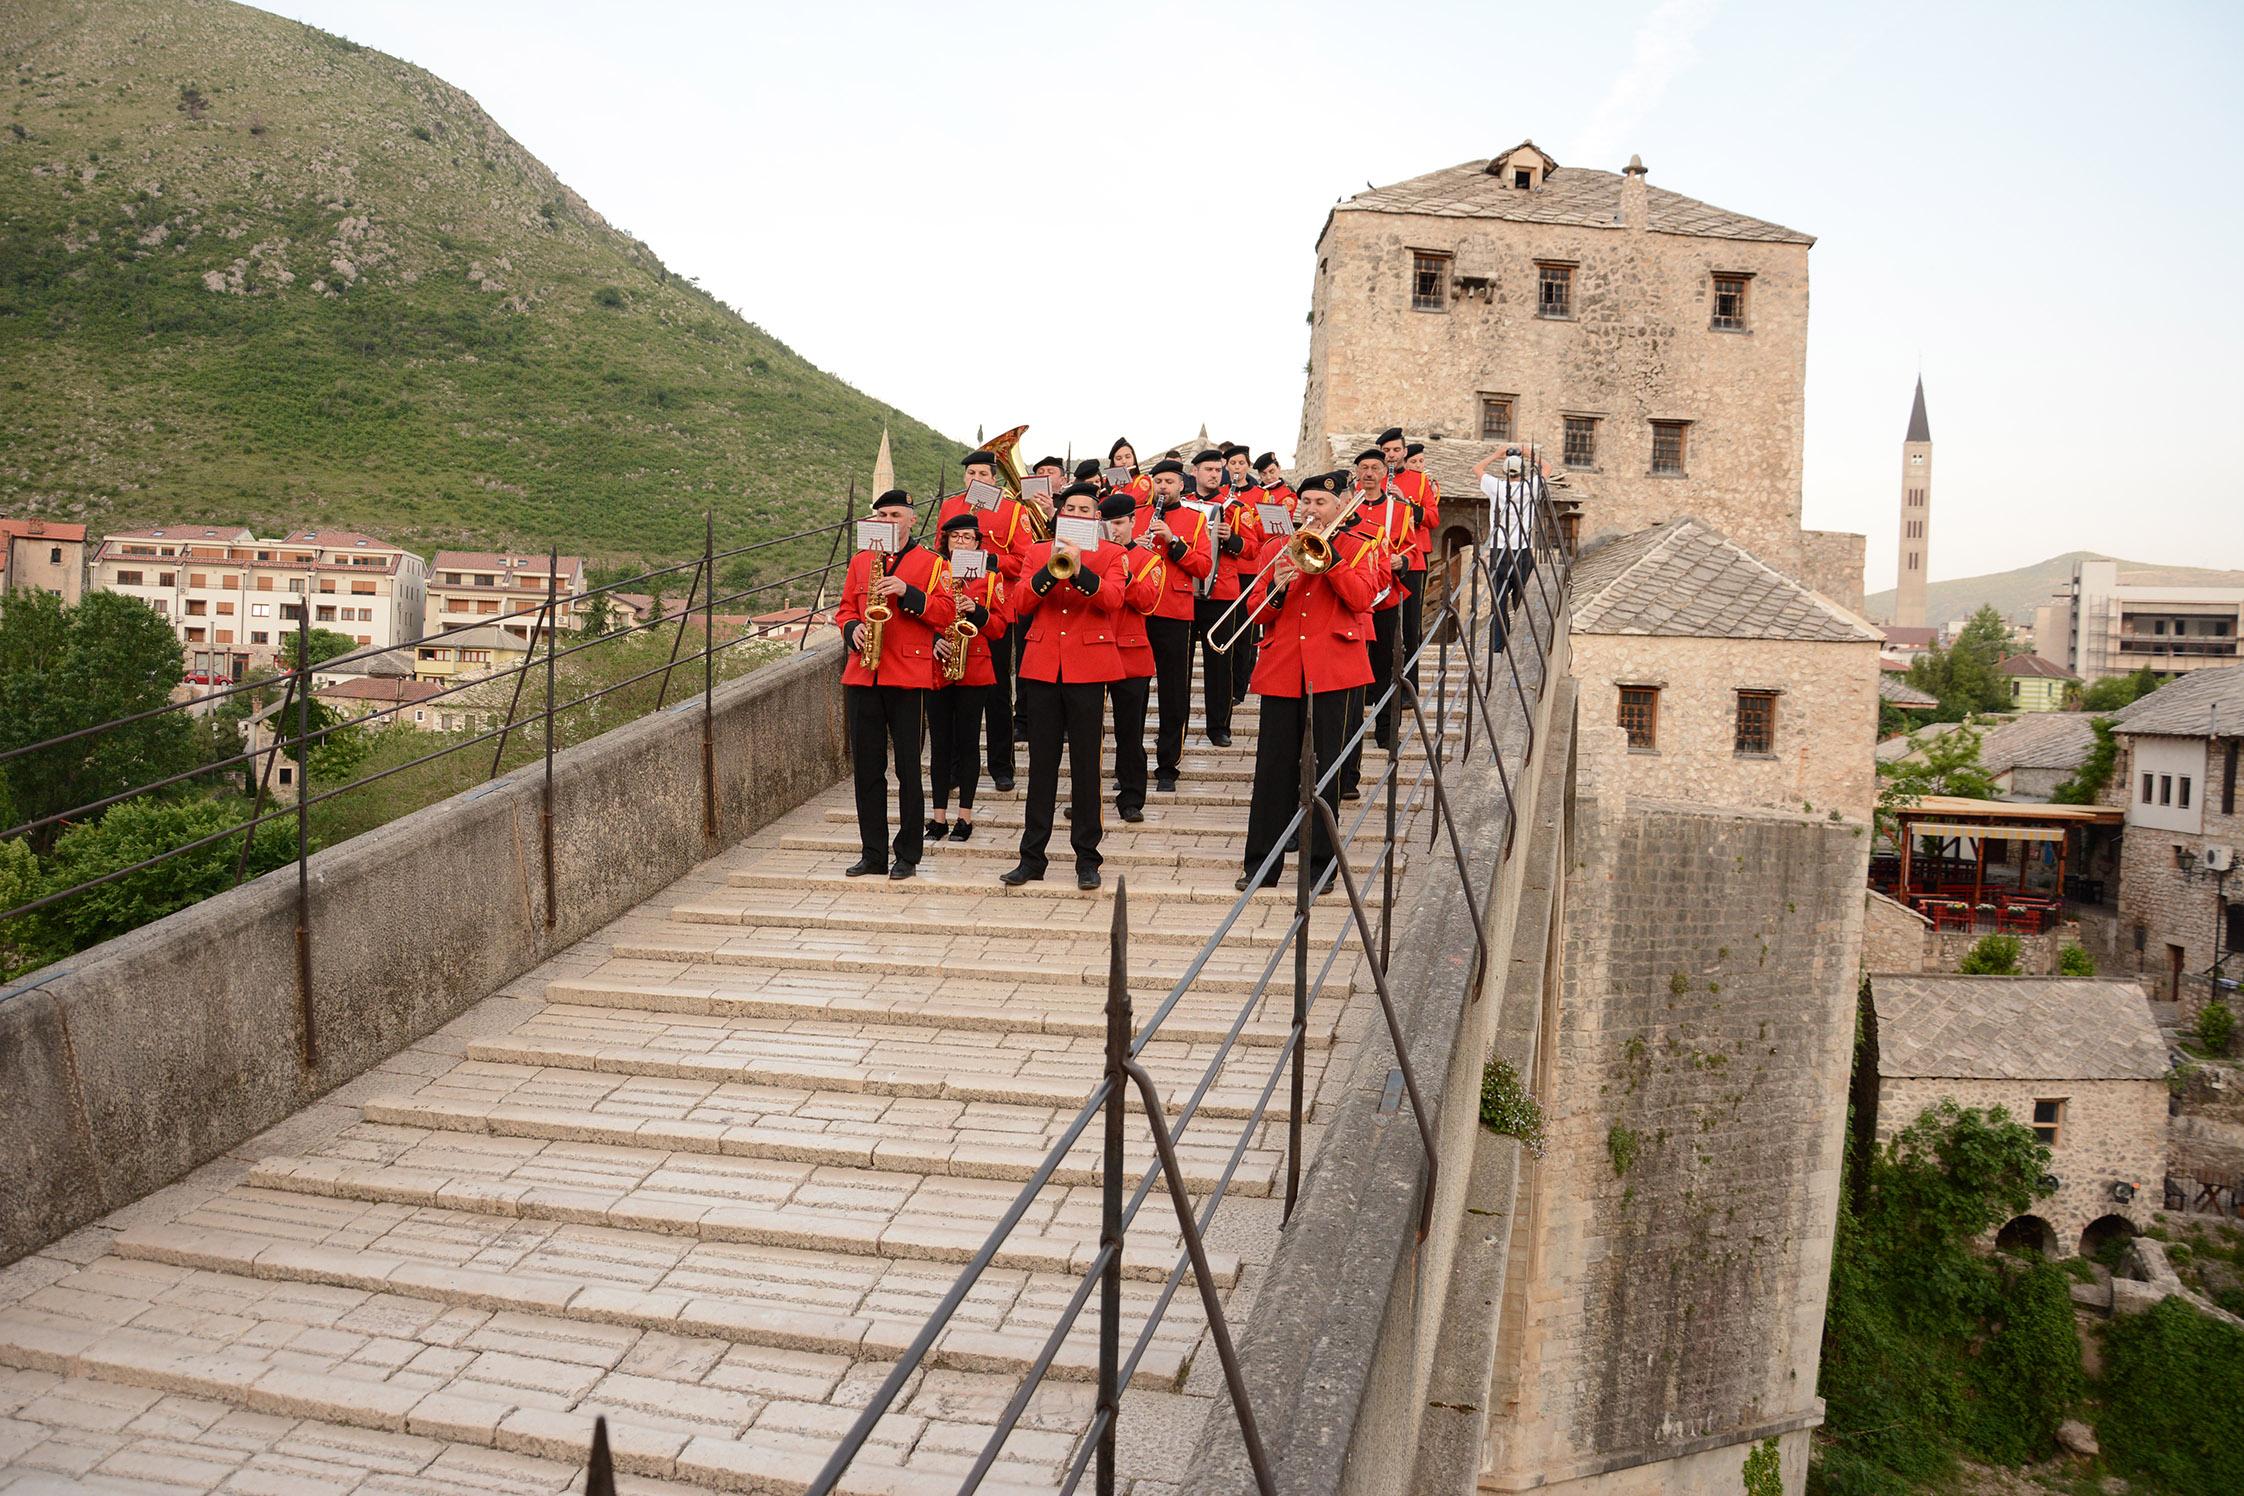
<point>1006,448</point>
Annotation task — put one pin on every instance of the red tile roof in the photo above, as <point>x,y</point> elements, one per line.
<point>45,529</point>
<point>1919,638</point>
<point>381,690</point>
<point>497,561</point>
<point>338,539</point>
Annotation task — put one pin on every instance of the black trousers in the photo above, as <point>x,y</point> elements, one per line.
<point>1352,718</point>
<point>1277,775</point>
<point>1073,715</point>
<point>1215,669</point>
<point>954,742</point>
<point>1171,639</point>
<point>1243,657</point>
<point>997,705</point>
<point>1384,627</point>
<point>885,719</point>
<point>1512,571</point>
<point>1413,623</point>
<point>1128,700</point>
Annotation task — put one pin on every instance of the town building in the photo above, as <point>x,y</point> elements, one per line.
<point>1914,559</point>
<point>2181,897</point>
<point>468,654</point>
<point>2100,625</point>
<point>1736,686</point>
<point>44,554</point>
<point>1650,345</point>
<point>2078,1059</point>
<point>2036,685</point>
<point>395,703</point>
<point>233,598</point>
<point>502,589</point>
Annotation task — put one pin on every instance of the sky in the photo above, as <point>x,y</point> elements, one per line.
<point>954,207</point>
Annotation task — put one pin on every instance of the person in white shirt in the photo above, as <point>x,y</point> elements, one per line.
<point>1511,526</point>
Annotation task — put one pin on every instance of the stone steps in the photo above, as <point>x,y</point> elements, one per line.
<point>1124,851</point>
<point>1018,920</point>
<point>814,872</point>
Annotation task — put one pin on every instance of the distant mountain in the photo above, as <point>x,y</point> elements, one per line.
<point>2019,592</point>
<point>254,273</point>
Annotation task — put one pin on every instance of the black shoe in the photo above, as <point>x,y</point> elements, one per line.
<point>1166,783</point>
<point>937,830</point>
<point>1002,784</point>
<point>962,830</point>
<point>863,866</point>
<point>901,871</point>
<point>1246,879</point>
<point>1087,880</point>
<point>1220,739</point>
<point>1351,793</point>
<point>1130,813</point>
<point>1293,844</point>
<point>1014,877</point>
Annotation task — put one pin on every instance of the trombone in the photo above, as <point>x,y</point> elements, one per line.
<point>1312,554</point>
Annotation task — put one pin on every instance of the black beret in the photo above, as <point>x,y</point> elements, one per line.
<point>1233,449</point>
<point>1371,454</point>
<point>1391,434</point>
<point>1167,465</point>
<point>962,521</point>
<point>1117,505</point>
<point>1414,449</point>
<point>1087,469</point>
<point>895,498</point>
<point>1045,462</point>
<point>1323,483</point>
<point>1077,491</point>
<point>1266,460</point>
<point>1207,454</point>
<point>986,459</point>
<point>1119,443</point>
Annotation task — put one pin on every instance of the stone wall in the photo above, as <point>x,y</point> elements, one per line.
<point>2171,907</point>
<point>2037,954</point>
<point>128,1064</point>
<point>2113,1130</point>
<point>1638,348</point>
<point>1894,936</point>
<point>1831,563</point>
<point>1683,1212</point>
<point>1827,716</point>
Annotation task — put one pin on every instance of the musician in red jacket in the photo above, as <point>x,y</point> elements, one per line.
<point>1406,467</point>
<point>1068,656</point>
<point>954,708</point>
<point>1232,537</point>
<point>1189,551</point>
<point>884,705</point>
<point>1006,534</point>
<point>1145,574</point>
<point>1275,489</point>
<point>1139,486</point>
<point>1314,657</point>
<point>1395,520</point>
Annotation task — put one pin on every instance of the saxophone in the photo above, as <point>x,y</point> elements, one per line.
<point>960,635</point>
<point>872,625</point>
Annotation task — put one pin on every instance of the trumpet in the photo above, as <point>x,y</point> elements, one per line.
<point>1063,564</point>
<point>1312,555</point>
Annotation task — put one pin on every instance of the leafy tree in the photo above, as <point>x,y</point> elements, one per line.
<point>67,668</point>
<point>600,615</point>
<point>19,885</point>
<point>2114,692</point>
<point>1991,956</point>
<point>2086,784</point>
<point>323,644</point>
<point>1944,763</point>
<point>2171,1416</point>
<point>1966,676</point>
<point>2216,1026</point>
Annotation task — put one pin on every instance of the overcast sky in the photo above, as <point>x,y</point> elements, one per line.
<point>952,207</point>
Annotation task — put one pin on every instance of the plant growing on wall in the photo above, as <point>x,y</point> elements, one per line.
<point>2085,785</point>
<point>2074,961</point>
<point>1507,1108</point>
<point>1993,956</point>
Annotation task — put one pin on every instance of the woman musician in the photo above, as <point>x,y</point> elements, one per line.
<point>954,707</point>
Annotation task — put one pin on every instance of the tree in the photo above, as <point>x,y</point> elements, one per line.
<point>1944,763</point>
<point>324,645</point>
<point>2086,784</point>
<point>1967,677</point>
<point>2116,691</point>
<point>63,669</point>
<point>1992,956</point>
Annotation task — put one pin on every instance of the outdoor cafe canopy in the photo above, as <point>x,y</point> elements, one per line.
<point>1983,821</point>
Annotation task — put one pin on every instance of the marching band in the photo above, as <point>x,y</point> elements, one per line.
<point>1062,606</point>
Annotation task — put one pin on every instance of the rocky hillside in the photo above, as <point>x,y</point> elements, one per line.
<point>254,273</point>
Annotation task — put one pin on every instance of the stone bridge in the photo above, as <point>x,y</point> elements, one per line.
<point>702,1146</point>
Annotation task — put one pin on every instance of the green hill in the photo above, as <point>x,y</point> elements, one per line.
<point>2016,593</point>
<point>254,273</point>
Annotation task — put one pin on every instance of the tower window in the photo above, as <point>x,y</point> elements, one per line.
<point>1667,447</point>
<point>1429,281</point>
<point>1554,291</point>
<point>1581,441</point>
<point>1496,418</point>
<point>1729,302</point>
<point>1523,179</point>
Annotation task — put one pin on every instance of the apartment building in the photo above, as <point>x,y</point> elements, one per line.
<point>502,590</point>
<point>2100,625</point>
<point>43,554</point>
<point>233,597</point>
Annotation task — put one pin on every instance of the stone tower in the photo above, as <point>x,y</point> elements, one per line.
<point>884,466</point>
<point>1916,517</point>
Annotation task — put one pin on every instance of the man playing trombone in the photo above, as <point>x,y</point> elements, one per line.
<point>1183,538</point>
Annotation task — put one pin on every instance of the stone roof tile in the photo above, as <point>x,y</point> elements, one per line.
<point>2190,707</point>
<point>1681,578</point>
<point>2014,1028</point>
<point>1575,195</point>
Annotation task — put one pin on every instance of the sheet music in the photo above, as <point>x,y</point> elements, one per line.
<point>1276,518</point>
<point>1081,533</point>
<point>969,566</point>
<point>1039,487</point>
<point>982,495</point>
<point>877,535</point>
<point>1116,475</point>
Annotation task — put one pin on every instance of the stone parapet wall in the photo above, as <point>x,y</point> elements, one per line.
<point>1831,563</point>
<point>128,1064</point>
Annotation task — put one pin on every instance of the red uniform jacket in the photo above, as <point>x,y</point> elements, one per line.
<point>1423,491</point>
<point>1281,492</point>
<point>1319,632</point>
<point>1005,531</point>
<point>1148,577</point>
<point>1389,518</point>
<point>1071,634</point>
<point>1196,562</point>
<point>1247,536</point>
<point>907,651</point>
<point>1139,488</point>
<point>988,593</point>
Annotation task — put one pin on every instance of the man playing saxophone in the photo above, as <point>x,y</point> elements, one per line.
<point>894,601</point>
<point>964,654</point>
<point>1145,571</point>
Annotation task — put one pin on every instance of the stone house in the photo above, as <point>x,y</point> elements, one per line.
<point>2035,684</point>
<point>2181,899</point>
<point>2078,1059</point>
<point>44,554</point>
<point>1736,685</point>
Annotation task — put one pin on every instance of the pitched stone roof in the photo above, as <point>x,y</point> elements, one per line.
<point>2031,664</point>
<point>1682,579</point>
<point>2014,1028</point>
<point>1901,693</point>
<point>2190,707</point>
<point>1920,429</point>
<point>1569,195</point>
<point>2038,740</point>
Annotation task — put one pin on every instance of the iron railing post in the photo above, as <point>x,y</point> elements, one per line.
<point>545,798</point>
<point>1304,890</point>
<point>818,599</point>
<point>1396,684</point>
<point>1110,1179</point>
<point>709,681</point>
<point>304,1017</point>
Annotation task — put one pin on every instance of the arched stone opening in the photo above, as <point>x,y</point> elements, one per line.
<point>2027,1236</point>
<point>2098,1235</point>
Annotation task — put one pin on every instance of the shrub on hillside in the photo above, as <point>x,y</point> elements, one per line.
<point>2074,961</point>
<point>1993,956</point>
<point>2172,1410</point>
<point>2216,1026</point>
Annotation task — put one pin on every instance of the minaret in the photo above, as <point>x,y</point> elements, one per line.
<point>1916,517</point>
<point>884,467</point>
